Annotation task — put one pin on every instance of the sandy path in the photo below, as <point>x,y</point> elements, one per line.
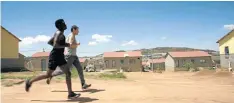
<point>138,88</point>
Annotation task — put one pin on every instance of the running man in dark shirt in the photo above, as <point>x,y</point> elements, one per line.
<point>56,58</point>
<point>72,58</point>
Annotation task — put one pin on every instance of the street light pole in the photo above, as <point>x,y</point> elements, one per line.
<point>152,61</point>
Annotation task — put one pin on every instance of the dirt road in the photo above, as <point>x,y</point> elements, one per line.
<point>138,88</point>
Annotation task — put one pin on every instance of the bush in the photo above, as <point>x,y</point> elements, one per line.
<point>211,68</point>
<point>188,65</point>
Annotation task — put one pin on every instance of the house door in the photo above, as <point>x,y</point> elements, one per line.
<point>43,64</point>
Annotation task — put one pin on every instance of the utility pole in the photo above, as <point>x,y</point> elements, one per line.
<point>229,66</point>
<point>152,61</point>
<point>150,58</point>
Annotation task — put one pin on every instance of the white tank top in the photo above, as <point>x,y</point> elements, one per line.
<point>70,51</point>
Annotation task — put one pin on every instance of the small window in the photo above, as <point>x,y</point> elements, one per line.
<point>122,61</point>
<point>177,63</point>
<point>113,63</point>
<point>183,62</point>
<point>107,63</point>
<point>132,61</point>
<point>192,61</point>
<point>202,61</point>
<point>226,50</point>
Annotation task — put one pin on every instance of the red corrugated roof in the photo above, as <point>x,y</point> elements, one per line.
<point>122,54</point>
<point>189,54</point>
<point>82,60</point>
<point>161,60</point>
<point>41,54</point>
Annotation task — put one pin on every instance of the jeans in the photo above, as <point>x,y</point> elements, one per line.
<point>72,60</point>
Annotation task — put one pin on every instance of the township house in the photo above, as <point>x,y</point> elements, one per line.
<point>175,60</point>
<point>39,61</point>
<point>97,62</point>
<point>156,64</point>
<point>11,59</point>
<point>226,49</point>
<point>130,61</point>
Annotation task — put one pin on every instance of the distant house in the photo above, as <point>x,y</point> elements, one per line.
<point>176,60</point>
<point>156,64</point>
<point>226,49</point>
<point>97,62</point>
<point>39,61</point>
<point>128,61</point>
<point>11,59</point>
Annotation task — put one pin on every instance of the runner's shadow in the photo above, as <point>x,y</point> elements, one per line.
<point>79,100</point>
<point>87,90</point>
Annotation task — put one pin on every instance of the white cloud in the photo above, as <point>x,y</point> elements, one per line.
<point>163,38</point>
<point>229,26</point>
<point>28,41</point>
<point>100,39</point>
<point>131,42</point>
<point>92,43</point>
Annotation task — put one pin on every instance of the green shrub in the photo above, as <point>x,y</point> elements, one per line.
<point>188,65</point>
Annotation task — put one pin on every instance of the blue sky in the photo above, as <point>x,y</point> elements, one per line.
<point>108,26</point>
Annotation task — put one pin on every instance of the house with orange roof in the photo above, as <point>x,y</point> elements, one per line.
<point>130,61</point>
<point>39,61</point>
<point>156,64</point>
<point>176,61</point>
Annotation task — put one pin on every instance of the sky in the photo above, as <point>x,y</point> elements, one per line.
<point>109,26</point>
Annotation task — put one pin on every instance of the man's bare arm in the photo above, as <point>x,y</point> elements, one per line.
<point>58,43</point>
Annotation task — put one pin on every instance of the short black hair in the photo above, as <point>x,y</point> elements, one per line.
<point>74,27</point>
<point>58,23</point>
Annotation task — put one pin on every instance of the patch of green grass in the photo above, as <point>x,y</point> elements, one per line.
<point>74,73</point>
<point>11,82</point>
<point>19,75</point>
<point>91,75</point>
<point>112,76</point>
<point>7,76</point>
